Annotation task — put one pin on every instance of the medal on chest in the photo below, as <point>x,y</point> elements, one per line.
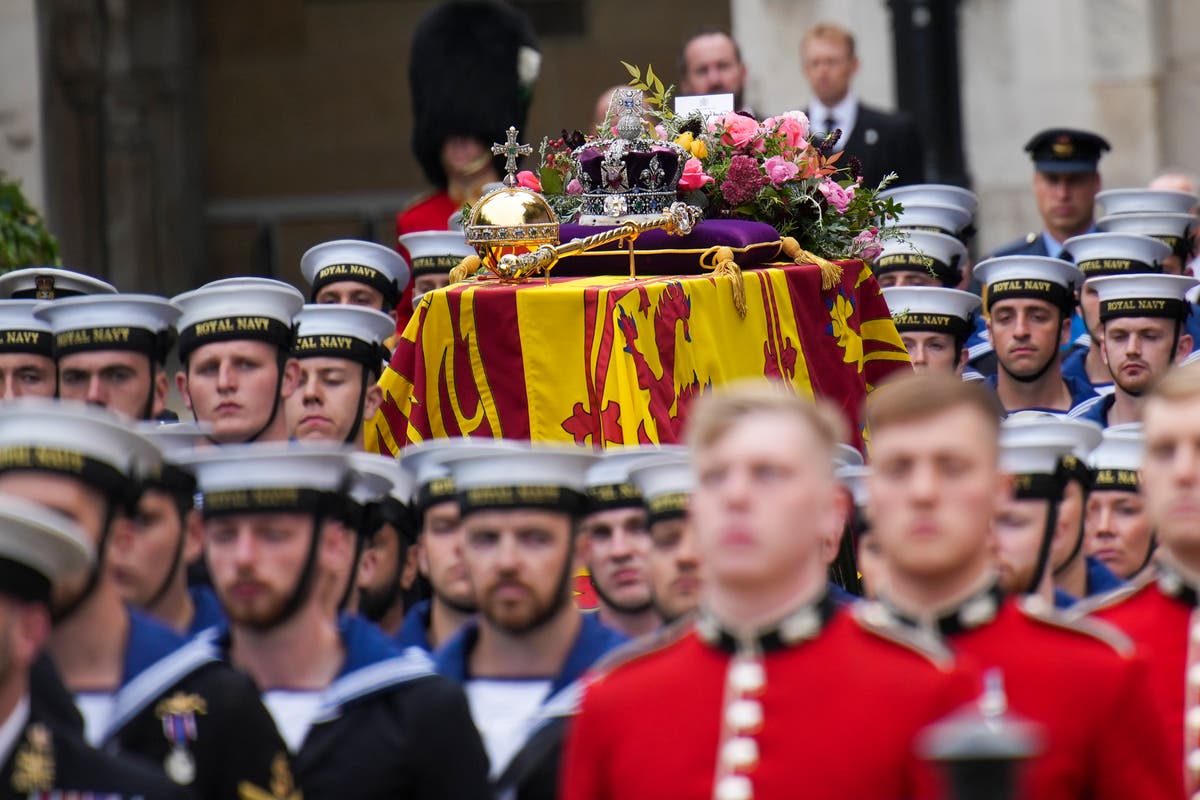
<point>178,716</point>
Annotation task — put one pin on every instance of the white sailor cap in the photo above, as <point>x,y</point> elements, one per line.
<point>923,251</point>
<point>1174,230</point>
<point>379,267</point>
<point>398,482</point>
<point>142,323</point>
<point>936,193</point>
<point>1098,254</point>
<point>854,478</point>
<point>845,455</point>
<point>1034,464</point>
<point>427,461</point>
<point>1033,277</point>
<point>50,283</point>
<point>929,308</point>
<point>86,442</point>
<point>1143,296</point>
<point>236,309</point>
<point>1133,201</point>
<point>934,217</point>
<point>552,477</point>
<point>176,441</point>
<point>1031,427</point>
<point>22,332</point>
<point>666,483</point>
<point>435,251</point>
<point>270,477</point>
<point>608,483</point>
<point>38,547</point>
<point>355,333</point>
<point>1117,461</point>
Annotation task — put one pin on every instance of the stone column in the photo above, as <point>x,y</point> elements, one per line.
<point>21,140</point>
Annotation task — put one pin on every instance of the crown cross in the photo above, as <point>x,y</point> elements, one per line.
<point>511,152</point>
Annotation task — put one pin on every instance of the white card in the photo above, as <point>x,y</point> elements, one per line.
<point>709,105</point>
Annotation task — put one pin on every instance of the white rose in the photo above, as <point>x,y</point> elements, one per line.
<point>529,63</point>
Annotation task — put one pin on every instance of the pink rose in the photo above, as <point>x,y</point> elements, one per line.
<point>736,130</point>
<point>693,175</point>
<point>792,128</point>
<point>837,197</point>
<point>780,170</point>
<point>574,186</point>
<point>529,180</point>
<point>866,245</point>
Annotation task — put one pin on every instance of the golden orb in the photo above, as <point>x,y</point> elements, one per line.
<point>510,220</point>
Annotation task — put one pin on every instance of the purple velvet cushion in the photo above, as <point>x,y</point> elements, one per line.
<point>659,253</point>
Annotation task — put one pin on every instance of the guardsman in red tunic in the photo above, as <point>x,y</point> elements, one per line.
<point>934,491</point>
<point>766,693</point>
<point>1157,609</point>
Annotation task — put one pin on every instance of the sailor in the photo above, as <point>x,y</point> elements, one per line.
<point>921,258</point>
<point>934,324</point>
<point>1098,255</point>
<point>341,355</point>
<point>433,255</point>
<point>1028,301</point>
<point>386,581</point>
<point>112,350</point>
<point>521,659</point>
<point>614,544</point>
<point>734,691</point>
<point>359,717</point>
<point>39,756</point>
<point>934,491</point>
<point>665,482</point>
<point>1143,337</point>
<point>142,689</point>
<point>50,283</point>
<point>1164,215</point>
<point>235,340</point>
<point>1117,530</point>
<point>150,563</point>
<point>26,352</point>
<point>1158,607</point>
<point>358,273</point>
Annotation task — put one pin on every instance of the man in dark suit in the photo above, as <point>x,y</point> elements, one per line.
<point>1065,183</point>
<point>882,142</point>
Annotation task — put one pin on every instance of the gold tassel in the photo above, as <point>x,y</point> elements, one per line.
<point>720,261</point>
<point>465,269</point>
<point>831,273</point>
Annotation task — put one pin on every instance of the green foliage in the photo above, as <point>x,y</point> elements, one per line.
<point>24,240</point>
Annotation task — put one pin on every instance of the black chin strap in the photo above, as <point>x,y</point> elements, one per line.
<point>1078,546</point>
<point>148,408</point>
<point>358,413</point>
<point>93,580</point>
<point>177,557</point>
<point>1047,534</point>
<point>304,583</point>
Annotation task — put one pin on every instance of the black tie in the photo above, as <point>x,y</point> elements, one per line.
<point>830,124</point>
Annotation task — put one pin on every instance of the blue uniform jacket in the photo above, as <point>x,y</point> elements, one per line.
<point>1100,580</point>
<point>207,609</point>
<point>415,630</point>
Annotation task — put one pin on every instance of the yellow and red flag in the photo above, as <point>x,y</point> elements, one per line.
<point>609,360</point>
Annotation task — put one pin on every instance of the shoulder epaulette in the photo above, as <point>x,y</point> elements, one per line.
<point>1037,609</point>
<point>874,617</point>
<point>643,646</point>
<point>1090,605</point>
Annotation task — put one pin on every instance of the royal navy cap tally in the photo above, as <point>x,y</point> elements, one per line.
<point>379,267</point>
<point>1117,462</point>
<point>666,483</point>
<point>937,193</point>
<point>933,217</point>
<point>22,332</point>
<point>426,463</point>
<point>84,441</point>
<point>1031,277</point>
<point>1035,465</point>
<point>235,309</point>
<point>607,481</point>
<point>352,332</point>
<point>1132,201</point>
<point>50,283</point>
<point>1143,296</point>
<point>1098,254</point>
<point>1066,150</point>
<point>538,476</point>
<point>142,323</point>
<point>938,254</point>
<point>1174,230</point>
<point>398,483</point>
<point>435,251</point>
<point>38,547</point>
<point>270,477</point>
<point>929,308</point>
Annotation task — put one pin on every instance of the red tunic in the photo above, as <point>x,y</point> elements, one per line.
<point>1159,625</point>
<point>1103,740</point>
<point>840,715</point>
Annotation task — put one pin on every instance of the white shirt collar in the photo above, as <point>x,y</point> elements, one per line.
<point>11,729</point>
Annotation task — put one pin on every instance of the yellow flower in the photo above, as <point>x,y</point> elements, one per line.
<point>684,140</point>
<point>699,149</point>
